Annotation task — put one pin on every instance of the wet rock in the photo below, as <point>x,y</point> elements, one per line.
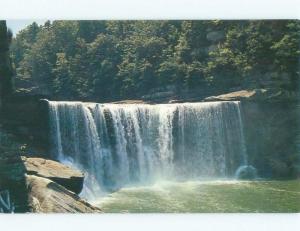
<point>279,167</point>
<point>246,172</point>
<point>70,178</point>
<point>46,196</point>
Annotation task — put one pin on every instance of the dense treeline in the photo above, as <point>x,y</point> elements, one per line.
<point>107,60</point>
<point>6,71</point>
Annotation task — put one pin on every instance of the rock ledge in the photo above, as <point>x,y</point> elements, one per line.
<point>46,196</point>
<point>70,178</point>
<point>43,186</point>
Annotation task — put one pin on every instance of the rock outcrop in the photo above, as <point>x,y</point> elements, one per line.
<point>40,185</point>
<point>270,129</point>
<point>46,196</point>
<point>68,177</point>
<point>239,95</point>
<point>255,95</point>
<point>26,117</point>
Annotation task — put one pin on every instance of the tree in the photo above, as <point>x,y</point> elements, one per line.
<point>6,71</point>
<point>62,83</point>
<point>104,57</point>
<point>109,60</point>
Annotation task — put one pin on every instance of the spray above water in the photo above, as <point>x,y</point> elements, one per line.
<point>117,145</point>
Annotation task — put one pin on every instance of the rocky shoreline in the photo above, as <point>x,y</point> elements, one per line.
<point>44,186</point>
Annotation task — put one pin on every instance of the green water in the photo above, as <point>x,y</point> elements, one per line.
<point>206,197</point>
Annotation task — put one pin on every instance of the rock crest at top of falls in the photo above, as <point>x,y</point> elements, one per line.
<point>237,95</point>
<point>70,178</point>
<point>254,95</point>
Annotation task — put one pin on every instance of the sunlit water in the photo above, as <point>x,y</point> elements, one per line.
<point>205,197</point>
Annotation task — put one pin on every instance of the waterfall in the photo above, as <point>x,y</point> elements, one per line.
<point>123,144</point>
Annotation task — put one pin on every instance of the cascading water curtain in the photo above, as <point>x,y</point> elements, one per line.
<point>122,144</point>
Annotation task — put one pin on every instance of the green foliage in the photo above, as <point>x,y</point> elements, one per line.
<point>6,71</point>
<point>107,60</point>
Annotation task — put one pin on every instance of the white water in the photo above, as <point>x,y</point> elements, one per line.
<point>117,145</point>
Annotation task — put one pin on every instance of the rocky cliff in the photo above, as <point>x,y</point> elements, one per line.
<point>26,119</point>
<point>270,125</point>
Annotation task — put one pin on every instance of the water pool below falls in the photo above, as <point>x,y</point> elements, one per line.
<point>119,145</point>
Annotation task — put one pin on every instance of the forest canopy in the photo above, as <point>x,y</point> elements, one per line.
<point>109,60</point>
<point>6,71</point>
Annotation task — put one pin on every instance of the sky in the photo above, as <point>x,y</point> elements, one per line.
<point>17,25</point>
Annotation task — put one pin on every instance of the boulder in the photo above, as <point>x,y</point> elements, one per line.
<point>70,178</point>
<point>246,172</point>
<point>46,196</point>
<point>40,185</point>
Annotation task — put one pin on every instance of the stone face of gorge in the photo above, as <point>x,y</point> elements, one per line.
<point>271,131</point>
<point>270,128</point>
<point>26,118</point>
